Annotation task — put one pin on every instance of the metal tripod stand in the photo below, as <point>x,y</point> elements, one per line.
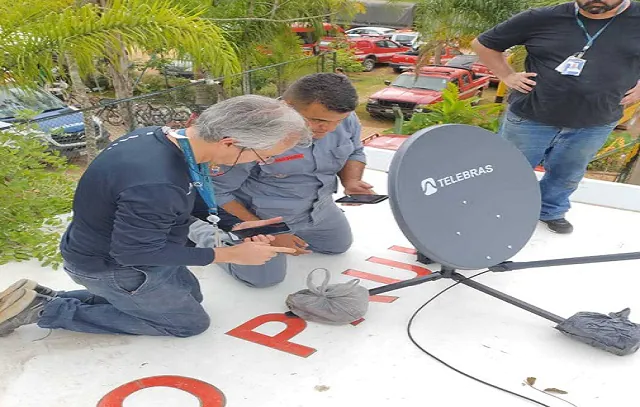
<point>447,272</point>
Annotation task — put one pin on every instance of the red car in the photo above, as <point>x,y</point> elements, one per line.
<point>375,50</point>
<point>400,62</point>
<point>307,34</point>
<point>409,91</point>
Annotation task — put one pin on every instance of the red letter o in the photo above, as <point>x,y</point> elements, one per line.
<point>208,395</point>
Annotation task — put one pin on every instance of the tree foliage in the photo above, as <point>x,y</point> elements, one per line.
<point>35,188</point>
<point>445,21</point>
<point>252,22</point>
<point>35,34</point>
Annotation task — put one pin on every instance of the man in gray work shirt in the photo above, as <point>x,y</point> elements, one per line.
<point>298,185</point>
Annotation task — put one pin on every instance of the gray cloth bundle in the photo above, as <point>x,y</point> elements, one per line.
<point>335,304</point>
<point>613,333</point>
<point>202,233</point>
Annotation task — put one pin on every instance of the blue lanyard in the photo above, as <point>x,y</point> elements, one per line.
<point>200,174</point>
<point>591,39</point>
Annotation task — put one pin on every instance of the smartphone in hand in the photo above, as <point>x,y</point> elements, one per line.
<point>274,229</point>
<point>362,199</point>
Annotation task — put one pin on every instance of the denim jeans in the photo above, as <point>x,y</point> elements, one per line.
<point>564,152</point>
<point>159,301</point>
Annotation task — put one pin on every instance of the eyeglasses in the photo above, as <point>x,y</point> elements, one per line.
<point>215,171</point>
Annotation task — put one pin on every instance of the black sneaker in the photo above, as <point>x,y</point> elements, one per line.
<point>559,225</point>
<point>22,307</point>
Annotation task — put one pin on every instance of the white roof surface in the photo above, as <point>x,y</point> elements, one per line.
<point>372,363</point>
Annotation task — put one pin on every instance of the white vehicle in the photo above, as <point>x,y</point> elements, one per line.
<point>406,38</point>
<point>369,31</point>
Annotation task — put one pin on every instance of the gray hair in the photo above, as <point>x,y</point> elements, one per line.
<point>254,121</point>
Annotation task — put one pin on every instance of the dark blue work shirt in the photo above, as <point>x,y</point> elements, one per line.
<point>133,207</point>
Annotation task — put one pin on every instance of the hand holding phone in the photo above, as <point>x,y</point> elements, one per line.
<point>256,228</point>
<point>251,253</point>
<point>356,187</point>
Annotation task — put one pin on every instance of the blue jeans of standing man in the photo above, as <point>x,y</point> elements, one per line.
<point>158,301</point>
<point>564,152</point>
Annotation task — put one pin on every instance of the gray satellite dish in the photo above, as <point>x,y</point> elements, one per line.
<point>468,199</point>
<point>463,196</point>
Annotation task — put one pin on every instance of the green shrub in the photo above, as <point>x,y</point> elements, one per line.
<point>452,109</point>
<point>346,60</point>
<point>151,83</point>
<point>270,90</point>
<point>615,152</point>
<point>35,188</point>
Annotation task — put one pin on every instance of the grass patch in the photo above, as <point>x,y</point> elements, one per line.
<point>361,110</point>
<point>368,83</point>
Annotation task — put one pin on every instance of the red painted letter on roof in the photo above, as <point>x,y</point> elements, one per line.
<point>280,341</point>
<point>208,395</point>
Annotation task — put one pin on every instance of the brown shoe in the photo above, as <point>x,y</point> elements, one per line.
<point>22,307</point>
<point>29,285</point>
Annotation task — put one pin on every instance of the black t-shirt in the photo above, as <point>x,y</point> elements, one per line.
<point>133,207</point>
<point>550,35</point>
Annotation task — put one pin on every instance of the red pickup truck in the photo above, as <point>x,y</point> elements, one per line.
<point>368,50</point>
<point>400,62</point>
<point>409,91</point>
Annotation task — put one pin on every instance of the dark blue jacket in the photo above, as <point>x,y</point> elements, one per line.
<point>133,207</point>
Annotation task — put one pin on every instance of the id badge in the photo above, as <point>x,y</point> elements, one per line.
<point>571,66</point>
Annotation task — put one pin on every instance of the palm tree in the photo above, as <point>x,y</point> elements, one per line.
<point>255,24</point>
<point>36,36</point>
<point>444,21</point>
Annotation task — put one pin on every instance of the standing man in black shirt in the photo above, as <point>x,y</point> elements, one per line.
<point>582,67</point>
<point>131,215</point>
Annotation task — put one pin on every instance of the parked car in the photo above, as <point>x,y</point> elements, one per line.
<point>311,45</point>
<point>182,68</point>
<point>412,92</point>
<point>369,31</point>
<point>375,50</point>
<point>406,38</point>
<point>409,59</point>
<point>472,61</point>
<point>61,133</point>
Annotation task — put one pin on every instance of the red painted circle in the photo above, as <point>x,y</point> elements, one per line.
<point>208,395</point>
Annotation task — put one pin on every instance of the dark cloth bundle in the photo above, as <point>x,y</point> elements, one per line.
<point>613,333</point>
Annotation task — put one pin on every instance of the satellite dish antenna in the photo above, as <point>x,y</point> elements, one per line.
<point>463,196</point>
<point>468,199</point>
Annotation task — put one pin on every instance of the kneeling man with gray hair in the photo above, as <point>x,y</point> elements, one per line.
<point>132,210</point>
<point>299,184</point>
